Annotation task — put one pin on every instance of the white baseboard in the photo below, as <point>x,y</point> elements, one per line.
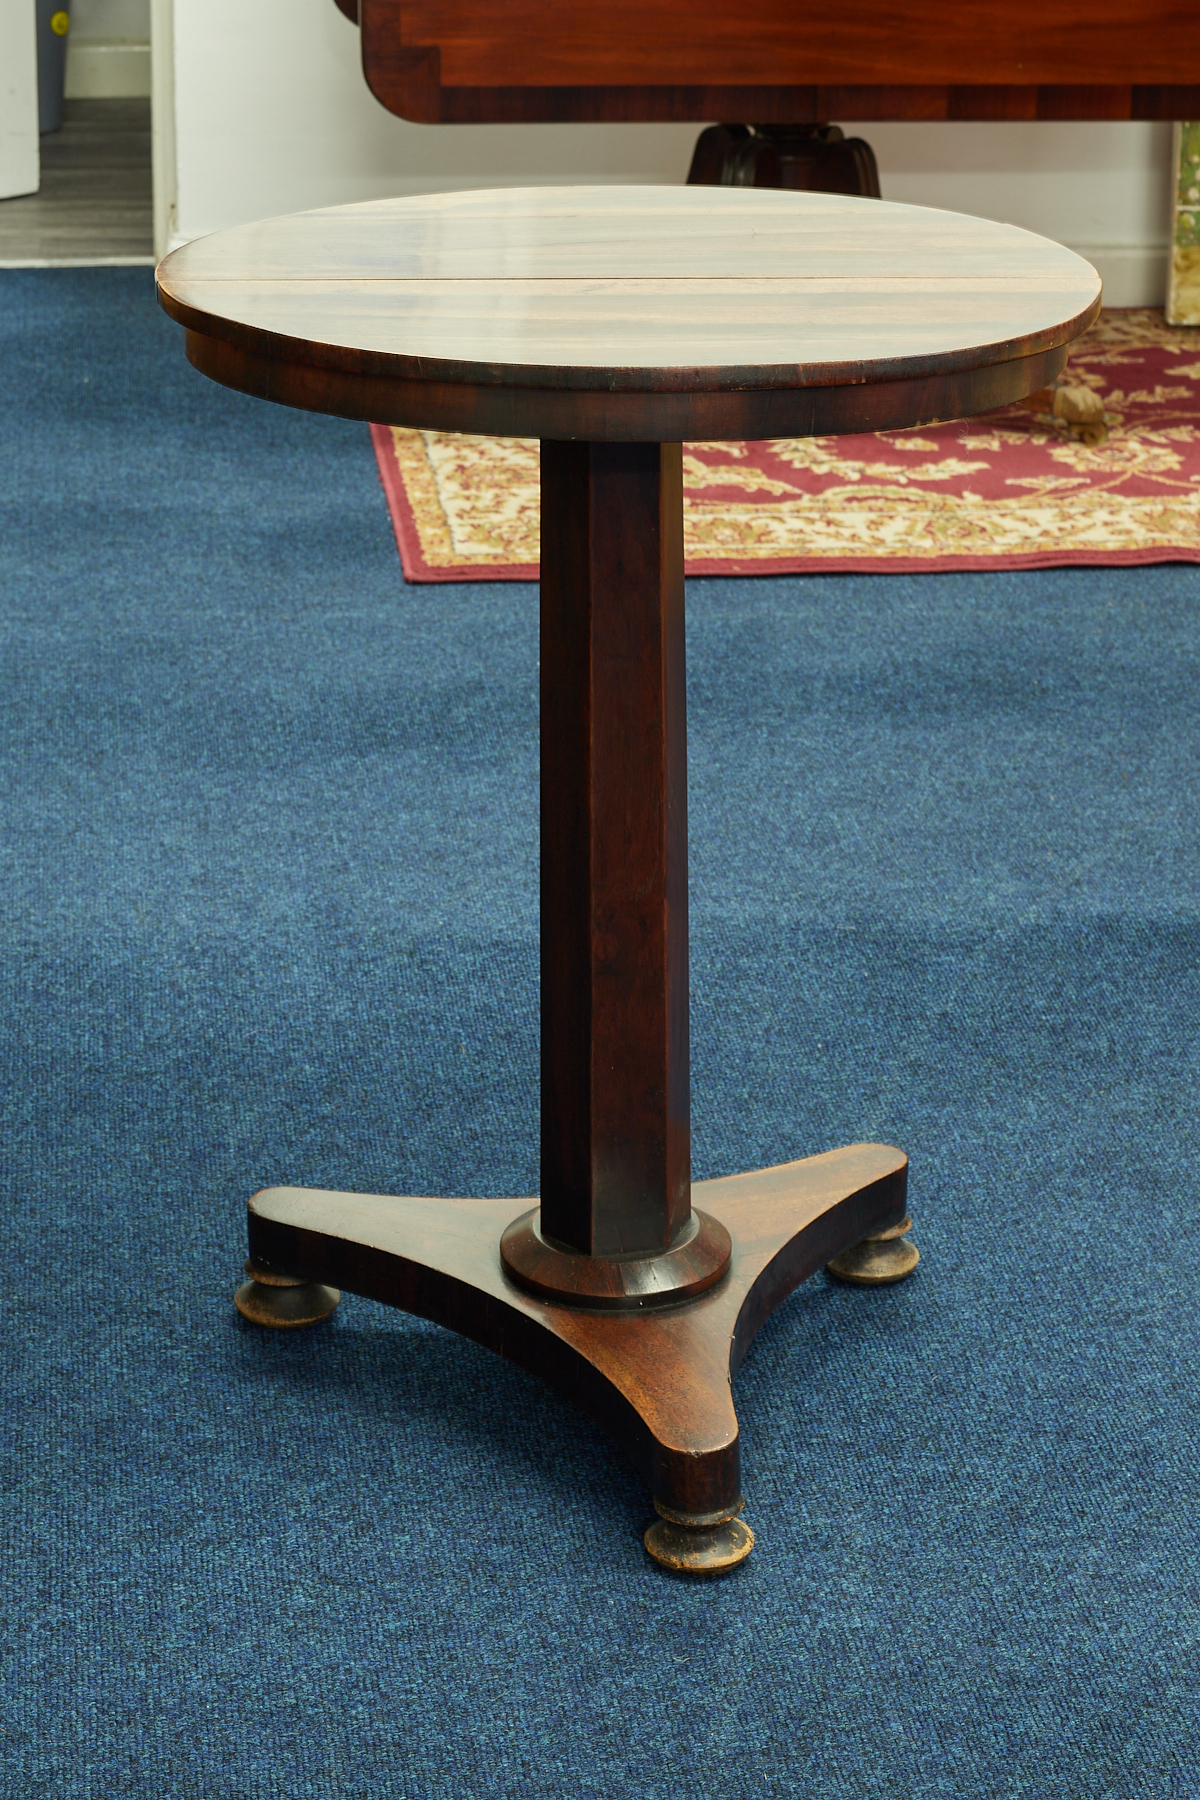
<point>1133,274</point>
<point>107,69</point>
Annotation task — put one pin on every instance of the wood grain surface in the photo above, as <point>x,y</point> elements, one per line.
<point>659,1382</point>
<point>470,61</point>
<point>616,1146</point>
<point>622,292</point>
<point>631,42</point>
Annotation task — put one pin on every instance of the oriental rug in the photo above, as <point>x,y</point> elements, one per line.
<point>1015,488</point>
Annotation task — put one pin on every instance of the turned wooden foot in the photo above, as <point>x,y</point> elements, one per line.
<point>880,1259</point>
<point>283,1301</point>
<point>698,1543</point>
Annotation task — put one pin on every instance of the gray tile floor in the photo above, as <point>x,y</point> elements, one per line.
<point>95,201</point>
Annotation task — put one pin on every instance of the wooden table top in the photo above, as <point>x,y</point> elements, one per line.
<point>642,303</point>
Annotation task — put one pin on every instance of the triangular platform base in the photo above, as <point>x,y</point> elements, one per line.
<point>658,1380</point>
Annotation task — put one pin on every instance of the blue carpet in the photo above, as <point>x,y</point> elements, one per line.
<point>269,913</point>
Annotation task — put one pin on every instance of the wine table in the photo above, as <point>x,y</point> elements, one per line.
<point>617,324</point>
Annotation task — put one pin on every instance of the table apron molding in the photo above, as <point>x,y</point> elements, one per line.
<point>625,417</point>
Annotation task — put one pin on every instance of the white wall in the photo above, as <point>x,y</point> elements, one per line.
<point>108,49</point>
<point>110,19</point>
<point>20,169</point>
<point>162,122</point>
<point>272,115</point>
<point>1104,189</point>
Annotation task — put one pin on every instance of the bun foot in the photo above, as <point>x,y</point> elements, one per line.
<point>698,1543</point>
<point>282,1301</point>
<point>878,1260</point>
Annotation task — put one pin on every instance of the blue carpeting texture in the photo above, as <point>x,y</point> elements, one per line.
<point>268,912</point>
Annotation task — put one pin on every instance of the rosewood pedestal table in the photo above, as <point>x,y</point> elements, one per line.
<point>615,324</point>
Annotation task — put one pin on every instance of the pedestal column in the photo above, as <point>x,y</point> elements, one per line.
<point>616,1169</point>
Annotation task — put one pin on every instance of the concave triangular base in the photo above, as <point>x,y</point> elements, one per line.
<point>658,1380</point>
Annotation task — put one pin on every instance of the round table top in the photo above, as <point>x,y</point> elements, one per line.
<point>631,312</point>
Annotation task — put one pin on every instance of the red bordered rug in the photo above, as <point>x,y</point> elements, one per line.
<point>1012,489</point>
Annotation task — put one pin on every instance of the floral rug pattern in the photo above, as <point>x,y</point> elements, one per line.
<point>1009,489</point>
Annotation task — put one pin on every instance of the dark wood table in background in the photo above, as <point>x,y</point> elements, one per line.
<point>788,68</point>
<point>615,324</point>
